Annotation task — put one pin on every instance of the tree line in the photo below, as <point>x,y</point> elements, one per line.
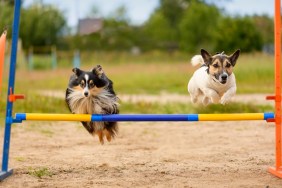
<point>182,25</point>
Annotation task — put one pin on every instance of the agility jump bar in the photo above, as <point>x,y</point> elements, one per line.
<point>19,117</point>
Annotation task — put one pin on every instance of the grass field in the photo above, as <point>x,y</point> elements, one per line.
<point>149,73</point>
<point>152,73</point>
<point>152,154</point>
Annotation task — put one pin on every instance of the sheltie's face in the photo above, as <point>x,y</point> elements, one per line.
<point>89,83</point>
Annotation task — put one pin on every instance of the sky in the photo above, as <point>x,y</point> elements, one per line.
<point>140,10</point>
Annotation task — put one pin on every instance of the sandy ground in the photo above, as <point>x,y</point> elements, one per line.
<point>144,154</point>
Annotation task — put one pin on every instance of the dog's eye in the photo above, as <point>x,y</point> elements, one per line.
<point>82,84</point>
<point>228,65</point>
<point>91,84</point>
<point>215,65</point>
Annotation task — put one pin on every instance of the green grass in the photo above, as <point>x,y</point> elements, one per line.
<point>34,103</point>
<point>40,172</point>
<point>182,108</point>
<point>40,104</point>
<point>47,133</point>
<point>20,159</point>
<point>151,73</point>
<point>42,62</point>
<point>255,74</point>
<point>150,83</point>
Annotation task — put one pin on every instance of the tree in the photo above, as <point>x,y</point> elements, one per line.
<point>162,27</point>
<point>236,33</point>
<point>6,16</point>
<point>159,33</point>
<point>41,25</point>
<point>265,26</point>
<point>198,27</point>
<point>173,10</point>
<point>8,2</point>
<point>116,34</point>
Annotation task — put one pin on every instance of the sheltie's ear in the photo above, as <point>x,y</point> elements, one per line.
<point>98,71</point>
<point>77,71</point>
<point>103,80</point>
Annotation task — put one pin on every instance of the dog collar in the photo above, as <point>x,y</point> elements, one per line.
<point>214,79</point>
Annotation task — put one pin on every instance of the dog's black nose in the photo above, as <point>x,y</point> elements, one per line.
<point>224,77</point>
<point>86,94</point>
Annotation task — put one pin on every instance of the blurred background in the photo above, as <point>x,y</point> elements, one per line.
<point>144,46</point>
<point>142,26</point>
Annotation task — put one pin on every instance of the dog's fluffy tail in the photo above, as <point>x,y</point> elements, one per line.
<point>197,59</point>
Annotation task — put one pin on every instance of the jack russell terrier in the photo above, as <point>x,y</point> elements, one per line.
<point>214,81</point>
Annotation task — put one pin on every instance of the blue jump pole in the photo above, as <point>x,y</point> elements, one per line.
<point>5,172</point>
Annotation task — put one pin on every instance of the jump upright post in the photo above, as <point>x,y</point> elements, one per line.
<point>19,117</point>
<point>5,172</point>
<point>277,170</point>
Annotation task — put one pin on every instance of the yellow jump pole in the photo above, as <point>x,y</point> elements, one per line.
<point>231,117</point>
<point>58,117</point>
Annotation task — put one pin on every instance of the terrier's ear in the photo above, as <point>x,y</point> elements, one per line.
<point>98,71</point>
<point>206,57</point>
<point>233,58</point>
<point>77,71</point>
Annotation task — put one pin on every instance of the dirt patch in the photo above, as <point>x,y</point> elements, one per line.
<point>202,154</point>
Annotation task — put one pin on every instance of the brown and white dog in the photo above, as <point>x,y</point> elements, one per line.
<point>214,81</point>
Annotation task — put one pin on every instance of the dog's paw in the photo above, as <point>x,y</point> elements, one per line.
<point>98,71</point>
<point>225,99</point>
<point>194,100</point>
<point>206,101</point>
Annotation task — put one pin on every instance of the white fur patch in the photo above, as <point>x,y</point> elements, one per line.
<point>86,76</point>
<point>196,60</point>
<point>86,89</point>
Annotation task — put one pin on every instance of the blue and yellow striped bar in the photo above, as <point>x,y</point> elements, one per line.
<point>19,117</point>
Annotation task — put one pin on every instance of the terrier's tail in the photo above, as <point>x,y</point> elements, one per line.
<point>197,59</point>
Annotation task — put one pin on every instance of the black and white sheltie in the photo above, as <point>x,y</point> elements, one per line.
<point>92,93</point>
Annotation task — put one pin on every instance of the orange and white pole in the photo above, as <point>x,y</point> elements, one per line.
<point>2,55</point>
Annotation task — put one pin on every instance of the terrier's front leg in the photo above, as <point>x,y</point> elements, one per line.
<point>206,100</point>
<point>212,94</point>
<point>228,95</point>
